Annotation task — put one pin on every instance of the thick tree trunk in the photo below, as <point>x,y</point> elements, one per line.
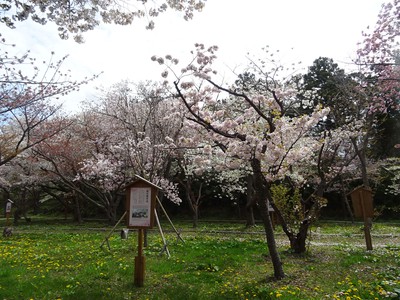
<point>261,190</point>
<point>298,241</point>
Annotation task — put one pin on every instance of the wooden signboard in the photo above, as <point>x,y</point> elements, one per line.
<point>140,203</point>
<point>361,198</point>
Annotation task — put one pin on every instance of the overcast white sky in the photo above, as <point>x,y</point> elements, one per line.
<point>313,28</point>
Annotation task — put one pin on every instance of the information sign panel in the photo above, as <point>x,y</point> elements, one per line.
<point>8,207</point>
<point>140,207</point>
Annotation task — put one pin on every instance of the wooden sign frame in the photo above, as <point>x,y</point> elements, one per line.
<point>140,204</point>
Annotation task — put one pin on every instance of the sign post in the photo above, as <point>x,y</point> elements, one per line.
<point>139,261</point>
<point>140,203</point>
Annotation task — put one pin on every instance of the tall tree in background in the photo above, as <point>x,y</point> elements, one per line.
<point>146,120</point>
<point>61,157</point>
<point>136,128</point>
<point>328,85</point>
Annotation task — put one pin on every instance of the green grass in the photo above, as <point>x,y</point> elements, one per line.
<point>44,260</point>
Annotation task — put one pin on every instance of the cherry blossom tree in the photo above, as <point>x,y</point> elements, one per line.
<point>189,175</point>
<point>379,60</point>
<point>29,93</point>
<point>137,126</point>
<point>20,182</point>
<point>61,157</point>
<point>378,57</point>
<point>203,171</point>
<point>379,64</point>
<point>24,178</point>
<point>262,136</point>
<point>30,106</point>
<point>299,201</point>
<point>77,17</point>
<point>378,53</point>
<point>131,130</point>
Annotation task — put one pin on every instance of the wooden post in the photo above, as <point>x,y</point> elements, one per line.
<point>139,261</point>
<point>367,223</point>
<point>7,219</point>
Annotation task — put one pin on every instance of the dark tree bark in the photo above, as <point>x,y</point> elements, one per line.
<point>250,202</point>
<point>21,207</point>
<point>193,202</point>
<point>360,152</point>
<point>311,207</point>
<point>262,193</point>
<point>77,209</point>
<point>345,200</point>
<point>261,188</point>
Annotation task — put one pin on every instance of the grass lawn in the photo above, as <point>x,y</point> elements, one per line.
<point>44,260</point>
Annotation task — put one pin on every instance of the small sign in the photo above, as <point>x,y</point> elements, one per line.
<point>8,207</point>
<point>140,203</point>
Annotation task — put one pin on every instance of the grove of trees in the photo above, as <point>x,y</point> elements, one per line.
<point>269,140</point>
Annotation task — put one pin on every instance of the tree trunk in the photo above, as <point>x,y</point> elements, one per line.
<point>250,221</point>
<point>21,208</point>
<point>298,241</point>
<point>363,160</point>
<point>270,236</point>
<point>193,200</point>
<point>250,201</point>
<point>261,191</point>
<point>346,200</point>
<point>36,200</point>
<point>77,209</point>
<point>195,216</point>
